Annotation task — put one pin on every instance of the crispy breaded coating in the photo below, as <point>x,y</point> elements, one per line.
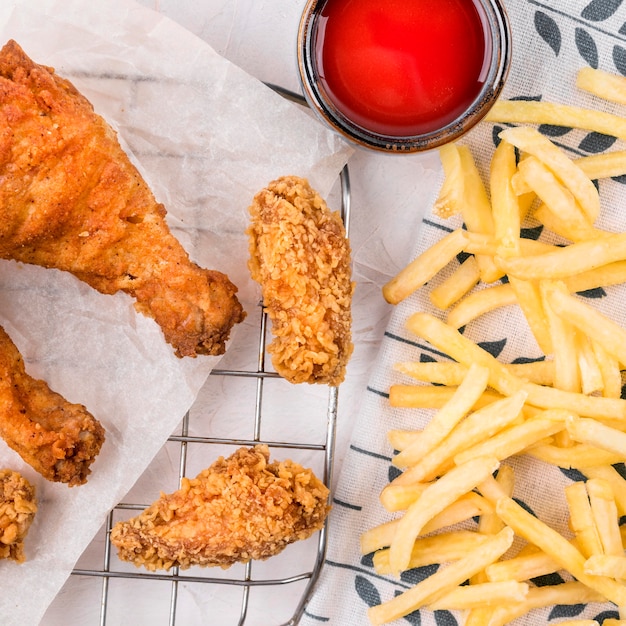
<point>17,511</point>
<point>242,507</point>
<point>57,438</point>
<point>300,255</point>
<point>71,199</point>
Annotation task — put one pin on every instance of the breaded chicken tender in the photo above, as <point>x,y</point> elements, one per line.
<point>57,438</point>
<point>71,199</point>
<point>300,255</point>
<point>242,507</point>
<point>17,511</point>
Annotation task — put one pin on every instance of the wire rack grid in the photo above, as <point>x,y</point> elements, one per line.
<point>112,569</point>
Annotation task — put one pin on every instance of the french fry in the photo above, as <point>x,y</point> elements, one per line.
<point>610,565</point>
<point>582,521</point>
<point>579,456</point>
<point>400,439</point>
<point>424,267</point>
<point>442,548</point>
<point>504,201</point>
<point>451,195</point>
<point>605,515</point>
<point>481,302</point>
<point>465,397</point>
<point>468,506</point>
<point>610,370</point>
<point>575,229</point>
<point>435,498</point>
<point>573,259</point>
<point>532,142</point>
<point>603,276</point>
<point>475,428</point>
<point>556,546</point>
<point>522,568</point>
<point>458,284</point>
<point>517,438</point>
<point>594,433</point>
<point>429,397</point>
<point>442,581</point>
<point>591,378</point>
<point>400,497</point>
<point>533,112</point>
<point>451,374</point>
<point>481,594</point>
<point>618,485</point>
<point>604,165</point>
<point>538,597</point>
<point>602,84</point>
<point>529,300</point>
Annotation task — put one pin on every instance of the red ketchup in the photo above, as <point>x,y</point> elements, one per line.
<point>402,67</point>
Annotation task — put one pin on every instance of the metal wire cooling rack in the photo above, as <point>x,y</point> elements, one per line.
<point>247,580</point>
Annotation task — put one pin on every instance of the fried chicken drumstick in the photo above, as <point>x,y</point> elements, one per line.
<point>71,199</point>
<point>241,508</point>
<point>58,439</point>
<point>300,255</point>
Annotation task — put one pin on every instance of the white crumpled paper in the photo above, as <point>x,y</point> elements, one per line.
<point>206,136</point>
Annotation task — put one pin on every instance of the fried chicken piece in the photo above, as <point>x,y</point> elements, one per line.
<point>71,199</point>
<point>300,255</point>
<point>241,508</point>
<point>58,439</point>
<point>17,511</point>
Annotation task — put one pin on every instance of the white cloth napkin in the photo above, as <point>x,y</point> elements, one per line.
<point>551,41</point>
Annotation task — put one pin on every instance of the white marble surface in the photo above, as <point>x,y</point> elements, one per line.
<point>389,197</point>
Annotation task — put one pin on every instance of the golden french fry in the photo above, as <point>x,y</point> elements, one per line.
<point>442,581</point>
<point>532,142</point>
<point>604,165</point>
<point>424,267</point>
<point>603,276</point>
<point>480,302</point>
<point>533,112</point>
<point>442,548</point>
<point>459,283</point>
<point>594,433</point>
<point>504,201</point>
<point>475,428</point>
<point>602,330</point>
<point>516,438</point>
<point>618,485</point>
<point>435,498</point>
<point>481,594</point>
<point>610,369</point>
<point>400,497</point>
<point>579,456</point>
<point>522,568</point>
<point>566,371</point>
<point>603,84</point>
<point>429,397</point>
<point>555,545</point>
<point>468,506</point>
<point>467,394</point>
<point>451,195</point>
<point>611,565</point>
<point>591,378</point>
<point>581,519</point>
<point>605,515</point>
<point>400,439</point>
<point>573,259</point>
<point>575,229</point>
<point>529,300</point>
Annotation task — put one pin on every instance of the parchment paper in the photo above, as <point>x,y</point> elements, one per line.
<point>206,136</point>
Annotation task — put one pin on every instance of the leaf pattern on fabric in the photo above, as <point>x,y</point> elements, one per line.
<point>445,618</point>
<point>493,347</point>
<point>573,474</point>
<point>565,610</point>
<point>367,591</point>
<point>548,30</point>
<point>548,580</point>
<point>417,574</point>
<point>619,59</point>
<point>600,10</point>
<point>587,47</point>
<point>531,233</point>
<point>600,617</point>
<point>593,294</point>
<point>596,142</point>
<point>551,130</point>
<point>394,472</point>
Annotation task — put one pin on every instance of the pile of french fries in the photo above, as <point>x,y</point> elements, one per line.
<point>565,410</point>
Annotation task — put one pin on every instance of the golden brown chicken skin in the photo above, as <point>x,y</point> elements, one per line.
<point>300,255</point>
<point>17,511</point>
<point>57,438</point>
<point>71,199</point>
<point>242,507</point>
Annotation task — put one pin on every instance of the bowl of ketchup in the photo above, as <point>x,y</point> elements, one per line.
<point>403,75</point>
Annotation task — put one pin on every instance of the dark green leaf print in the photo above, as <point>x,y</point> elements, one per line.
<point>595,143</point>
<point>548,580</point>
<point>548,30</point>
<point>418,574</point>
<point>587,47</point>
<point>563,610</point>
<point>600,10</point>
<point>493,347</point>
<point>619,59</point>
<point>551,130</point>
<point>367,592</point>
<point>573,474</point>
<point>445,618</point>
